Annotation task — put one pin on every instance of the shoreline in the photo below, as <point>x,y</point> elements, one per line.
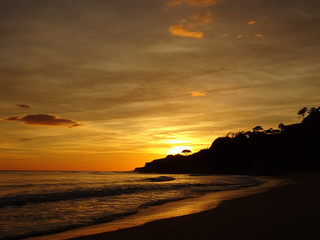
<point>287,212</point>
<point>165,211</point>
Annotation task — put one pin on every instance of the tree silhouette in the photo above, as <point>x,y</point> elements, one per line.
<point>290,148</point>
<point>281,127</point>
<point>186,151</point>
<point>314,109</point>
<point>302,111</point>
<point>269,131</point>
<point>257,129</point>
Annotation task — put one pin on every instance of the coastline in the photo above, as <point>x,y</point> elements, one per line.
<point>287,212</point>
<point>167,210</point>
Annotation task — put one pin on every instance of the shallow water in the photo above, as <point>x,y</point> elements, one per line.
<point>35,203</point>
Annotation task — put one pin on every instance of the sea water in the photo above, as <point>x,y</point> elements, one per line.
<point>37,203</point>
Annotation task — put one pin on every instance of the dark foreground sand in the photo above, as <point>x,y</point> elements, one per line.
<point>288,212</point>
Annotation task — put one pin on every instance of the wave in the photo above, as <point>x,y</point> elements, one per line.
<point>90,222</point>
<point>149,186</point>
<point>23,199</point>
<point>93,221</point>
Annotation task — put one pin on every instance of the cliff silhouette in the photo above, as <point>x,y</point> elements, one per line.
<point>291,148</point>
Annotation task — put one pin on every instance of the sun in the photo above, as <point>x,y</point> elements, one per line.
<point>177,149</point>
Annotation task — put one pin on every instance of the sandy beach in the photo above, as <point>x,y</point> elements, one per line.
<point>287,212</point>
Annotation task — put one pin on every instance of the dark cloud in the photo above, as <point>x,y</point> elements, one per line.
<point>12,119</point>
<point>23,105</point>
<point>44,120</point>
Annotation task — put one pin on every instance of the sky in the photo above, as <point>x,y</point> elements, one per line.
<point>110,85</point>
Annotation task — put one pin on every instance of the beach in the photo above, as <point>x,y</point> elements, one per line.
<point>287,212</point>
<point>56,205</point>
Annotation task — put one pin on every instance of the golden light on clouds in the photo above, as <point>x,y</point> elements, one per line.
<point>198,94</point>
<point>252,22</point>
<point>188,26</point>
<point>180,31</point>
<point>180,74</point>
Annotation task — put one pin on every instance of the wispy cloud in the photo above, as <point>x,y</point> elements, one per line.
<point>200,19</point>
<point>44,120</point>
<point>198,94</point>
<point>179,30</point>
<point>186,26</point>
<point>23,105</point>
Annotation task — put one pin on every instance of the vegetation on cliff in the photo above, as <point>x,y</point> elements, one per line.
<point>290,148</point>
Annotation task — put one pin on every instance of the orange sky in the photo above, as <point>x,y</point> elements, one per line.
<point>110,85</point>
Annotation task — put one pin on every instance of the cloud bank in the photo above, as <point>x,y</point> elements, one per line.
<point>44,120</point>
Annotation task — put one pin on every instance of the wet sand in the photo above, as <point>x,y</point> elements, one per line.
<point>288,212</point>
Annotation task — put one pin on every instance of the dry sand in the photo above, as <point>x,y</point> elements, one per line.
<point>287,212</point>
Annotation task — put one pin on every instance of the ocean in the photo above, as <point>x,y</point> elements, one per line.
<point>35,203</point>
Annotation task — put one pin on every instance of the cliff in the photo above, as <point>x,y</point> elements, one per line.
<point>293,148</point>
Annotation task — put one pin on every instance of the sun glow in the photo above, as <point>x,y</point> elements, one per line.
<point>177,149</point>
